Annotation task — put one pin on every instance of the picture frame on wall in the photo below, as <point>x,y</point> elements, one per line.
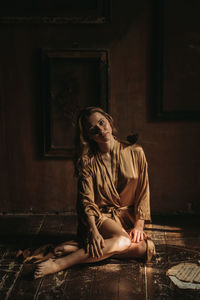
<point>176,60</point>
<point>71,80</point>
<point>55,12</point>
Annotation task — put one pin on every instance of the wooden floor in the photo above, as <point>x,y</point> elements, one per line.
<point>177,239</point>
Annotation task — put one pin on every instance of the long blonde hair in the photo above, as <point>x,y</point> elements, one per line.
<point>85,147</point>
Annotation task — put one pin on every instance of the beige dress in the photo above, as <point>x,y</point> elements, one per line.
<point>124,197</point>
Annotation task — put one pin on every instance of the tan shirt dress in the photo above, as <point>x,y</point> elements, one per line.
<point>124,197</point>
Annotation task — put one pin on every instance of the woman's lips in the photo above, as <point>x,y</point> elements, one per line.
<point>104,134</point>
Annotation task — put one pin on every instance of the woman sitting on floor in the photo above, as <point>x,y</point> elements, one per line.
<point>113,201</point>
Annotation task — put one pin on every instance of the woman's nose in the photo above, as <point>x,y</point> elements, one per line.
<point>98,129</point>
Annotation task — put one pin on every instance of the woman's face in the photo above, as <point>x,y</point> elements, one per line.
<point>99,129</point>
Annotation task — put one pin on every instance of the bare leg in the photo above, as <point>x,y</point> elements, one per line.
<point>135,250</point>
<point>80,256</point>
<point>117,241</point>
<point>145,249</point>
<point>66,248</point>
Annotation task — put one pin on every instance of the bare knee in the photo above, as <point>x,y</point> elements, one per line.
<point>122,243</point>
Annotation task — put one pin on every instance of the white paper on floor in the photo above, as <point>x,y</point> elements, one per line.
<point>185,275</point>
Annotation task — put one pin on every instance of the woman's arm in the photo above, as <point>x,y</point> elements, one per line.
<point>142,194</point>
<point>95,243</point>
<point>142,199</point>
<point>90,213</point>
<point>137,234</point>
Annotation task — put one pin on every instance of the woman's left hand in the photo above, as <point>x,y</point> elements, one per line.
<point>137,234</point>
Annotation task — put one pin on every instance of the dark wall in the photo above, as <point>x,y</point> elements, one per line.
<point>30,183</point>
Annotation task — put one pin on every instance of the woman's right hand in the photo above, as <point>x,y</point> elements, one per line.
<point>95,244</point>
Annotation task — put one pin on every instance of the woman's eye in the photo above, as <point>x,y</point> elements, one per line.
<point>101,122</point>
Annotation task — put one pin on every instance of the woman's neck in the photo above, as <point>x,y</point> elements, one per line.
<point>107,146</point>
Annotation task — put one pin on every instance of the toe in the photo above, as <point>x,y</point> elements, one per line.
<point>37,275</point>
<point>56,249</point>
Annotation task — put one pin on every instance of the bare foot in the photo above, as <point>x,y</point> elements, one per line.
<point>65,248</point>
<point>47,267</point>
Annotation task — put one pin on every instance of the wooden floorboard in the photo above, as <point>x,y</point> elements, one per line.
<point>9,272</point>
<point>176,240</point>
<point>53,286</point>
<point>79,282</point>
<point>132,281</point>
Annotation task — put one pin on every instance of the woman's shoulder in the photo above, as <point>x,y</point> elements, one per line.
<point>134,153</point>
<point>137,148</point>
<point>126,146</point>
